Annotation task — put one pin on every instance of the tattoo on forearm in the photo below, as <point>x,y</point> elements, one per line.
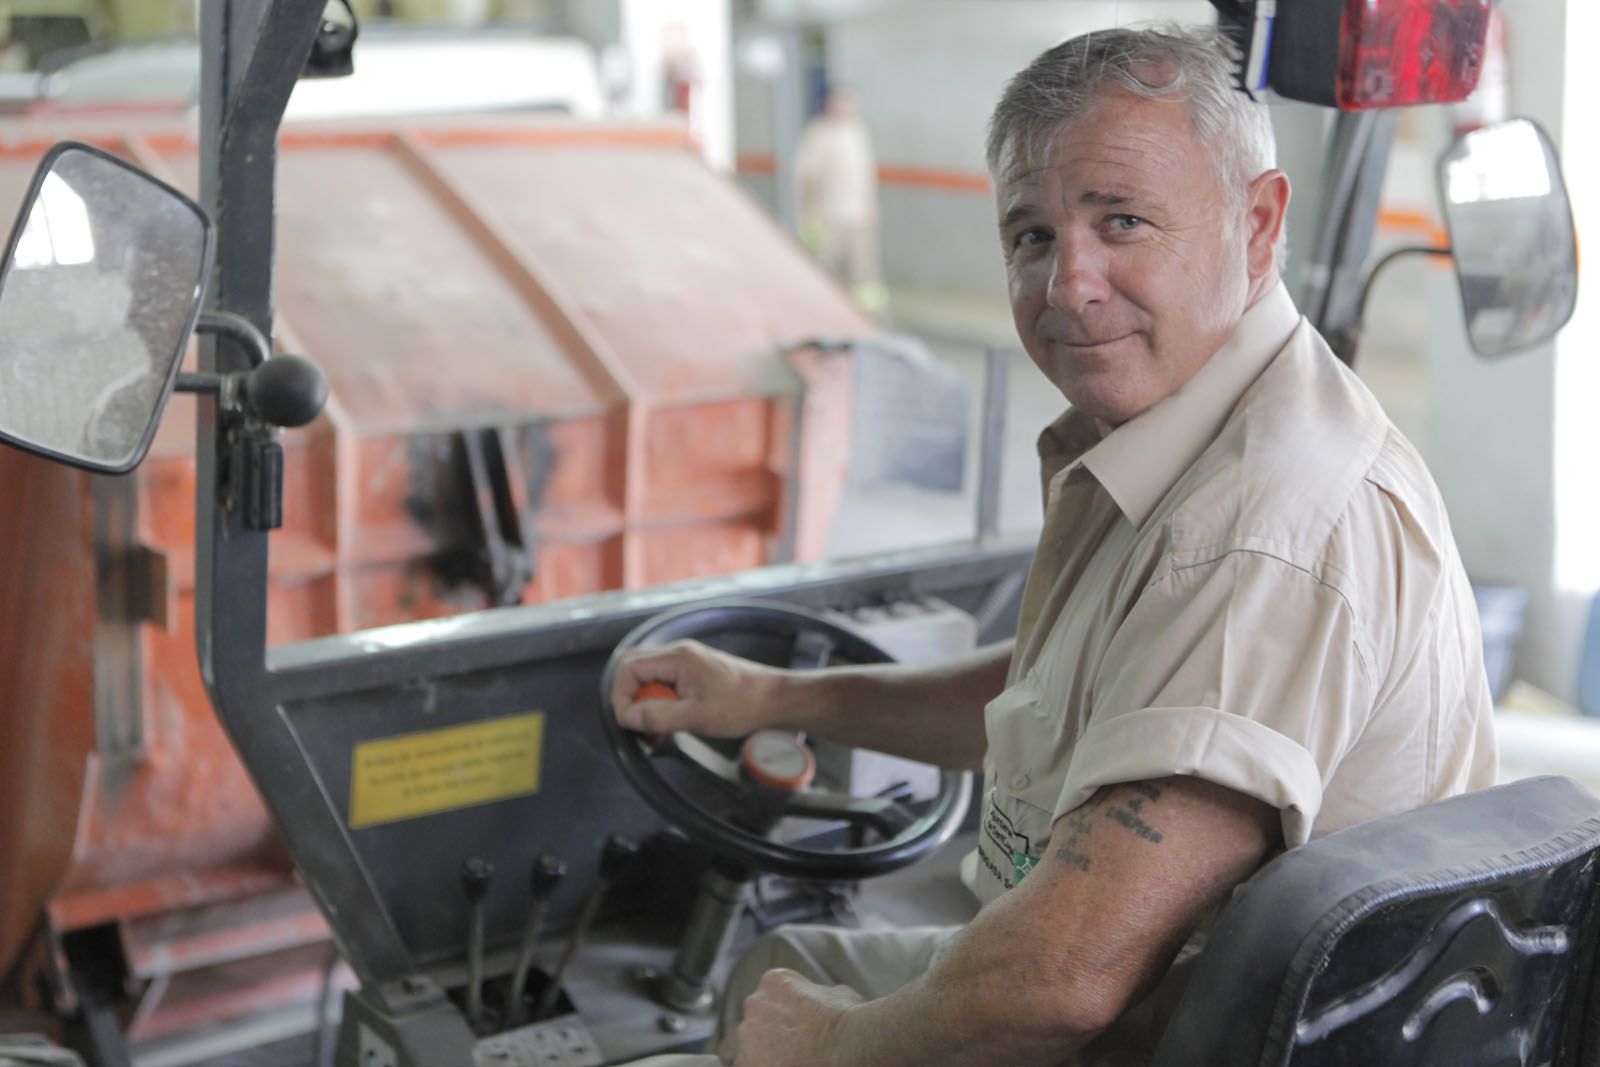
<point>1146,791</point>
<point>1077,828</point>
<point>1131,820</point>
<point>1127,812</point>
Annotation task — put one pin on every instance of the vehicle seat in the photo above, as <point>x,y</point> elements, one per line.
<point>1461,934</point>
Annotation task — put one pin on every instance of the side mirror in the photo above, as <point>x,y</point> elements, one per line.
<point>100,288</point>
<point>1511,234</point>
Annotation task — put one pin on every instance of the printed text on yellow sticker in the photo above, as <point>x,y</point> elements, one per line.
<point>441,770</point>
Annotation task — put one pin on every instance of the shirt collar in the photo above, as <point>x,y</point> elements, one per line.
<point>1140,460</point>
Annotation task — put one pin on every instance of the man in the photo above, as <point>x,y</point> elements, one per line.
<point>1246,623</point>
<point>836,189</point>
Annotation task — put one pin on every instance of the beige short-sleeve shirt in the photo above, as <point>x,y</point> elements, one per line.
<point>1253,582</point>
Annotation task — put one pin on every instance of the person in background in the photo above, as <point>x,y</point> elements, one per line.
<point>836,185</point>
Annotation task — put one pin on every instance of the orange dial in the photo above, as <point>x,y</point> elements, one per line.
<point>778,760</point>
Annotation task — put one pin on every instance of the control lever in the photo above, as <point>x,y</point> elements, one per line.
<point>476,875</point>
<point>547,874</point>
<point>618,850</point>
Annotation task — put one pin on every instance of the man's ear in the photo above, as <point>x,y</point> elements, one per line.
<point>1266,208</point>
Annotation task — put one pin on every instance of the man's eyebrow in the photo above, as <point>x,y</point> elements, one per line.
<point>1105,199</point>
<point>1016,213</point>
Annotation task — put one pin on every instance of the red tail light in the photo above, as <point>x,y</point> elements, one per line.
<point>1360,54</point>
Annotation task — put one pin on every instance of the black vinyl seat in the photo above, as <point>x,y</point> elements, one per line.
<point>1461,934</point>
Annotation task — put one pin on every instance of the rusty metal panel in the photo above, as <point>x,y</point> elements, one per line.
<point>416,328</point>
<point>682,277</point>
<point>47,727</point>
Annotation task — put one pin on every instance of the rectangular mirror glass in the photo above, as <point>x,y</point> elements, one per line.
<point>102,282</point>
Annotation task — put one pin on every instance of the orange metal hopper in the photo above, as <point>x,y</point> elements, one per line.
<point>583,322</point>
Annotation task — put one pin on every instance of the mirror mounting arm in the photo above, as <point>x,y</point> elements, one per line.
<point>282,390</point>
<point>1344,342</point>
<point>239,329</point>
<point>225,387</point>
<point>197,382</point>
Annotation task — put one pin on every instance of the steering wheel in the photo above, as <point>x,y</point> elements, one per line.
<point>711,796</point>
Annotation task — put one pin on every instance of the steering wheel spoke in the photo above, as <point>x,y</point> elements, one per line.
<point>707,764</point>
<point>813,649</point>
<point>887,817</point>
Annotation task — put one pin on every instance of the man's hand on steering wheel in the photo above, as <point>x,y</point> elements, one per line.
<point>717,694</point>
<point>661,680</point>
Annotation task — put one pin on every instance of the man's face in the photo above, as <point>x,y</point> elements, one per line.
<point>1128,267</point>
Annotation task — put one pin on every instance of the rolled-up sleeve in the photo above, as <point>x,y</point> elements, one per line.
<point>1244,670</point>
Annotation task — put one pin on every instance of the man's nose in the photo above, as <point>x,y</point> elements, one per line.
<point>1078,273</point>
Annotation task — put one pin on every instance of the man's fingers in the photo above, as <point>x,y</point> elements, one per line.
<point>655,717</point>
<point>644,676</point>
<point>781,977</point>
<point>687,686</point>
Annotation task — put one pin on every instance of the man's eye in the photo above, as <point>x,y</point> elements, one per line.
<point>1031,238</point>
<point>1124,223</point>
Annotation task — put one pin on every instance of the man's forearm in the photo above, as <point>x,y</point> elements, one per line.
<point>932,714</point>
<point>1126,878</point>
<point>994,997</point>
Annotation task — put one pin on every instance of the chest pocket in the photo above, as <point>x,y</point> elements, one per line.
<point>1025,767</point>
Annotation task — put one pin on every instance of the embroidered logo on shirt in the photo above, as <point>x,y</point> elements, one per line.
<point>999,828</point>
<point>1011,846</point>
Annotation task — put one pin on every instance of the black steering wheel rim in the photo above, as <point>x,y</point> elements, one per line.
<point>731,843</point>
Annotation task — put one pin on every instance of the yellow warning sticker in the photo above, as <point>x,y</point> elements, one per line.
<point>441,770</point>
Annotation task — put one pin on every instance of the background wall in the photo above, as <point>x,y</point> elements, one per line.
<point>926,77</point>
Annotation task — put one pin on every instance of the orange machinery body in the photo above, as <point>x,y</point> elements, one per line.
<point>595,297</point>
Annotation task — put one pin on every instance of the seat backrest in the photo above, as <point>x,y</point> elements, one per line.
<point>1460,934</point>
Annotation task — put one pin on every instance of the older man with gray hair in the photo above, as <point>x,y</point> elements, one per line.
<point>1246,624</point>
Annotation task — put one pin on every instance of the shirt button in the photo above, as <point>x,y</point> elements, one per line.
<point>1020,780</point>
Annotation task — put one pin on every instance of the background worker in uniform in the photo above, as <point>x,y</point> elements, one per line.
<point>1246,623</point>
<point>836,184</point>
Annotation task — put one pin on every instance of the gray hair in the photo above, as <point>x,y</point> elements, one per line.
<point>1194,64</point>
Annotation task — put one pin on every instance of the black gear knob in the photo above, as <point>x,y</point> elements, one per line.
<point>476,874</point>
<point>286,390</point>
<point>618,851</point>
<point>548,871</point>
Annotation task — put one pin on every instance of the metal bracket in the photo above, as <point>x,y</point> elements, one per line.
<point>410,993</point>
<point>263,485</point>
<point>503,511</point>
<point>259,485</point>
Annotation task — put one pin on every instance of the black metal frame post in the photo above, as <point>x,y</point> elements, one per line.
<point>254,51</point>
<point>1357,162</point>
